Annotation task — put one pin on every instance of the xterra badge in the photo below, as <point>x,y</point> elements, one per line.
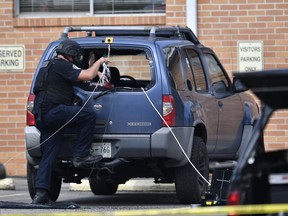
<point>138,124</point>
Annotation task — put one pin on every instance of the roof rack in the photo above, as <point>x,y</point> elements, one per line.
<point>151,31</point>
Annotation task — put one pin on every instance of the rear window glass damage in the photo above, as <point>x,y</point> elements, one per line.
<point>130,68</point>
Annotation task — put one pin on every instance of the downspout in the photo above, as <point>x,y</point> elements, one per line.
<point>191,15</point>
<point>91,12</point>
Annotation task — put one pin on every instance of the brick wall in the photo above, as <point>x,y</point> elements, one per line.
<point>35,34</point>
<point>221,23</point>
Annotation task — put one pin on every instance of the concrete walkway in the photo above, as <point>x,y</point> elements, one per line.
<point>131,185</point>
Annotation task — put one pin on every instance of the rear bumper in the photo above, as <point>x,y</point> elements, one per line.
<point>164,144</point>
<point>161,144</point>
<point>32,138</point>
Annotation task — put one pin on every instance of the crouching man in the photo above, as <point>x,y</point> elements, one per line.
<point>54,110</point>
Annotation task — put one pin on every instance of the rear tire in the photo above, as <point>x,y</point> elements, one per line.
<point>31,180</point>
<point>189,185</point>
<point>99,186</point>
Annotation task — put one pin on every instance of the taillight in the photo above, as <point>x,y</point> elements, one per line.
<point>30,120</point>
<point>234,198</point>
<point>168,110</point>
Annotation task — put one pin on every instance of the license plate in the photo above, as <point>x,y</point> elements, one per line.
<point>103,149</point>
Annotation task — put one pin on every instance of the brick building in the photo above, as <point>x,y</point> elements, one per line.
<point>220,24</point>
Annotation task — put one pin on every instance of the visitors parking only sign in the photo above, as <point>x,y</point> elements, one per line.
<point>250,56</point>
<point>12,57</point>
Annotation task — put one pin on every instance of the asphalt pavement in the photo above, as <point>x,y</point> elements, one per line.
<point>140,194</point>
<point>127,202</point>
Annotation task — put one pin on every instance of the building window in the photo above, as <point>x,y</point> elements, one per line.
<point>88,7</point>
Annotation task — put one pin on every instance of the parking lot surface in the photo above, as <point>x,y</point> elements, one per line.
<point>153,202</point>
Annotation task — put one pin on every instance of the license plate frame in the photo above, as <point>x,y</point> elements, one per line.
<point>101,148</point>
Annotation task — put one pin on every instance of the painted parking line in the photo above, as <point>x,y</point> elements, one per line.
<point>216,210</point>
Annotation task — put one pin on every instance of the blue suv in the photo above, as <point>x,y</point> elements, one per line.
<point>169,100</point>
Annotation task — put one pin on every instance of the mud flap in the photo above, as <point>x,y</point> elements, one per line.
<point>21,205</point>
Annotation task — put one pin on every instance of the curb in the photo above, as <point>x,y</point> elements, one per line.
<point>7,184</point>
<point>131,185</point>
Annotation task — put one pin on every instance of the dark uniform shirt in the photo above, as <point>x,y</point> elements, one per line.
<point>59,85</point>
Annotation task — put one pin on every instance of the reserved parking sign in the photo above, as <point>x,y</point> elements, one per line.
<point>12,57</point>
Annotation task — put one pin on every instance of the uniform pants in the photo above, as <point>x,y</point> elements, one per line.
<point>51,141</point>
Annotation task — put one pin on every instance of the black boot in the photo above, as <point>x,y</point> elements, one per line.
<point>85,162</point>
<point>41,197</point>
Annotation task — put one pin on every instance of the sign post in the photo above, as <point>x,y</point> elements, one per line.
<point>12,58</point>
<point>250,56</point>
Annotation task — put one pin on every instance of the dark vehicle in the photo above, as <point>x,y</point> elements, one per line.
<point>262,177</point>
<point>166,85</point>
<point>2,171</point>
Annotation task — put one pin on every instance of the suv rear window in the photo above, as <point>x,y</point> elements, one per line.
<point>133,65</point>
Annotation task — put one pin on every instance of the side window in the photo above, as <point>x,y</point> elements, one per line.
<point>197,70</point>
<point>215,71</point>
<point>173,64</point>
